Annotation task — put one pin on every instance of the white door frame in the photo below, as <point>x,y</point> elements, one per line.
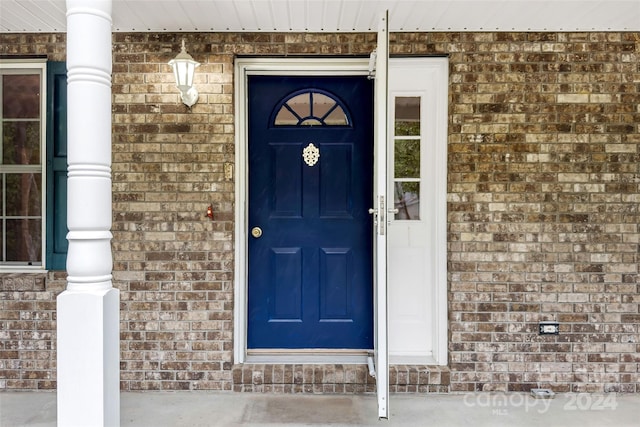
<point>271,66</point>
<point>325,66</point>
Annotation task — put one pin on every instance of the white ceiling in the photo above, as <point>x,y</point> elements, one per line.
<point>336,15</point>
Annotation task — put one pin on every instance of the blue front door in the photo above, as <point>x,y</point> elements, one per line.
<point>310,188</point>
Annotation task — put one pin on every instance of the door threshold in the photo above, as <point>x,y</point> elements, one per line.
<point>307,356</point>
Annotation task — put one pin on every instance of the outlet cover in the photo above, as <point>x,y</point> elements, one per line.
<point>549,328</point>
<point>542,393</point>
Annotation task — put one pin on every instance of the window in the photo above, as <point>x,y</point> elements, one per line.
<point>21,167</point>
<point>32,165</point>
<point>311,108</point>
<point>406,165</point>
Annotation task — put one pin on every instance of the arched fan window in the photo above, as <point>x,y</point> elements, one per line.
<point>311,107</point>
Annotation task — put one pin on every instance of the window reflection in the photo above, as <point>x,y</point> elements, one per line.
<point>23,240</point>
<point>407,120</point>
<point>24,195</point>
<point>21,96</point>
<point>407,200</point>
<point>286,117</point>
<point>21,143</point>
<point>407,158</point>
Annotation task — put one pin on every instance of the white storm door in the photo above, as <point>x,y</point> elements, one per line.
<point>380,210</point>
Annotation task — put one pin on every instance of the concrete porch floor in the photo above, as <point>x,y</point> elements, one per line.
<point>193,409</point>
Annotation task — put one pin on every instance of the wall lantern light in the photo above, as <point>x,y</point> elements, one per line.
<point>184,68</point>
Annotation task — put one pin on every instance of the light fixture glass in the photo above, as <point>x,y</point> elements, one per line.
<point>184,68</point>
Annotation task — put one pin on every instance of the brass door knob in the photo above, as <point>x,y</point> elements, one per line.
<point>256,232</point>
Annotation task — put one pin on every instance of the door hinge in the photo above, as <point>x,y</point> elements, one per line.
<point>372,64</point>
<point>372,366</point>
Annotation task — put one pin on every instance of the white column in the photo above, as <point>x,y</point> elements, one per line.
<point>88,310</point>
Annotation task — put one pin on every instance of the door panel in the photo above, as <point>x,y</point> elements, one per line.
<point>285,167</point>
<point>335,192</point>
<point>310,272</point>
<point>286,269</point>
<point>336,285</point>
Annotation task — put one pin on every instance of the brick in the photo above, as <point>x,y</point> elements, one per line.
<point>532,236</point>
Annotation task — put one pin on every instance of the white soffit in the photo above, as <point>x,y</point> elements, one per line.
<point>335,15</point>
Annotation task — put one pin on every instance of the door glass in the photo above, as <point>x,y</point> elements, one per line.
<point>311,108</point>
<point>407,120</point>
<point>407,158</point>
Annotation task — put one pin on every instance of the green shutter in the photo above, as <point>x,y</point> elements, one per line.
<point>56,166</point>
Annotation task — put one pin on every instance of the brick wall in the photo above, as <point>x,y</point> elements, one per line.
<point>542,210</point>
<point>28,330</point>
<point>173,264</point>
